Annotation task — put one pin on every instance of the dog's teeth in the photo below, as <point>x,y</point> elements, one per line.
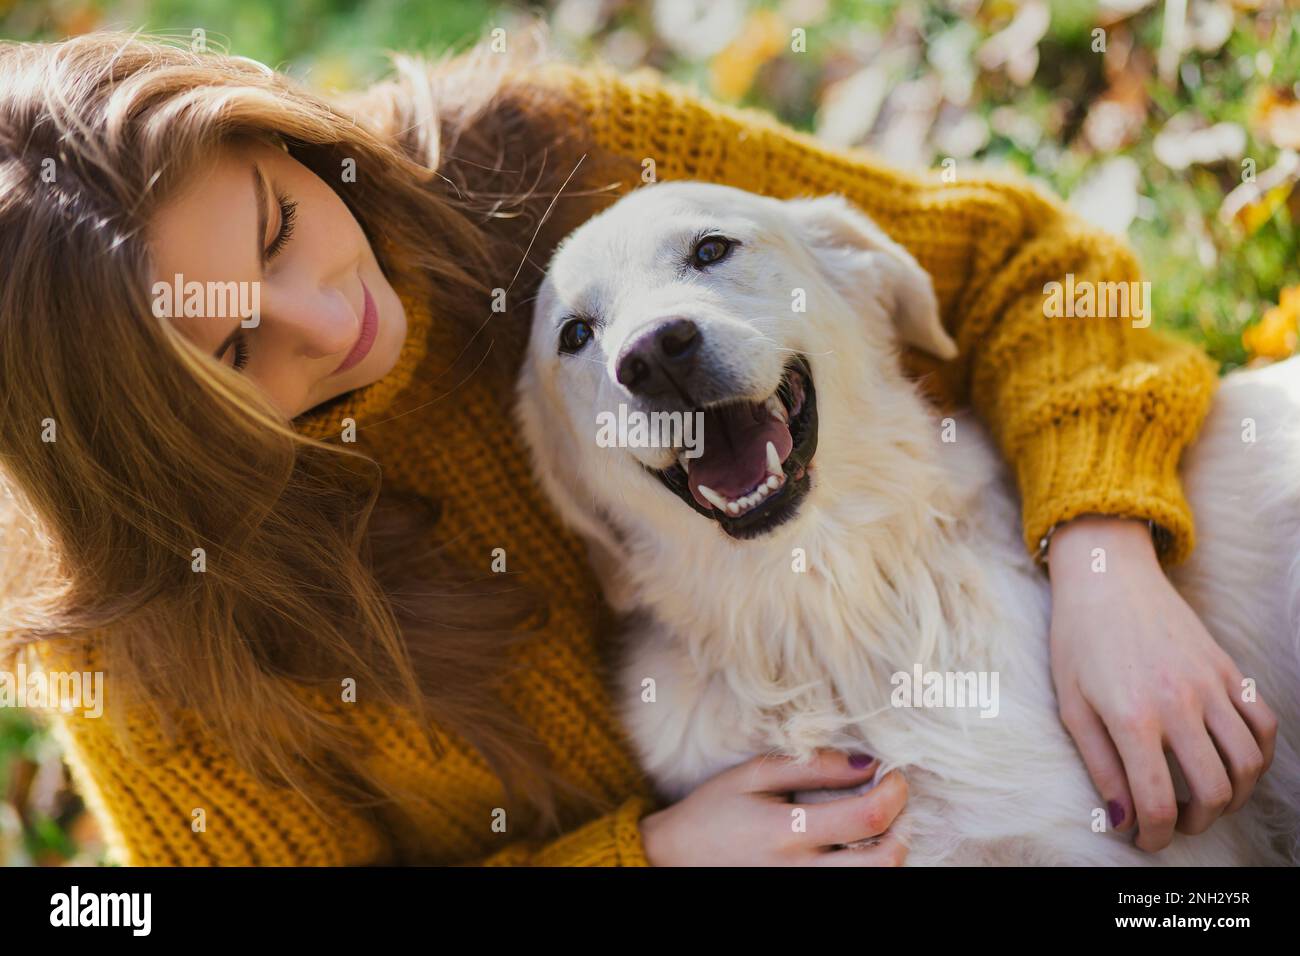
<point>773,460</point>
<point>712,497</point>
<point>754,498</point>
<point>684,462</point>
<point>777,409</point>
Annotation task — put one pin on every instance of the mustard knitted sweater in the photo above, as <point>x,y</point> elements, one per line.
<point>1092,414</point>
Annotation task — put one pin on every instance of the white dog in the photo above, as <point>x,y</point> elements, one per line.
<point>780,601</point>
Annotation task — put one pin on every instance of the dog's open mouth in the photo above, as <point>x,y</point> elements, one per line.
<point>754,468</point>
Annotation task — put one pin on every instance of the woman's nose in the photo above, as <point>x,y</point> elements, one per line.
<point>314,324</point>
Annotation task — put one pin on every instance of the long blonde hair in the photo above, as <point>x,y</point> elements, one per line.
<point>159,450</point>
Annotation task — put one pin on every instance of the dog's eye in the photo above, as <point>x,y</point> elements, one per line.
<point>575,334</point>
<point>711,250</point>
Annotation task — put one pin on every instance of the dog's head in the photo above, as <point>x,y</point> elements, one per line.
<point>686,343</point>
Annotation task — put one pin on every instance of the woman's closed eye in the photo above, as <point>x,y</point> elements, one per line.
<point>239,348</point>
<point>234,351</point>
<point>283,204</point>
<point>288,216</point>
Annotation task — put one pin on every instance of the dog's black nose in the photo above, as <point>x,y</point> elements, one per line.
<point>656,361</point>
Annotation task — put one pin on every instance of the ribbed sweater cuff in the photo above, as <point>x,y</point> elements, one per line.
<point>611,840</point>
<point>1110,462</point>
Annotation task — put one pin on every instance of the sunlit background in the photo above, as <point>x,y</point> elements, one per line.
<point>1175,123</point>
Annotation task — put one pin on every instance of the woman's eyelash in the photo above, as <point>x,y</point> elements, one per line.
<point>288,215</point>
<point>240,361</point>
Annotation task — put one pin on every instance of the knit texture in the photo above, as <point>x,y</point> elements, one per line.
<point>1092,414</point>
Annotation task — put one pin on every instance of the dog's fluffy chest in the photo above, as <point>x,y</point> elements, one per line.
<point>816,642</point>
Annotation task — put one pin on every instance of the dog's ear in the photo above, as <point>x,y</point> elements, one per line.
<point>839,236</point>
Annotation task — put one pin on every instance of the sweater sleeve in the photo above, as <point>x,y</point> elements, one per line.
<point>148,815</point>
<point>610,840</point>
<point>185,801</point>
<point>1092,414</point>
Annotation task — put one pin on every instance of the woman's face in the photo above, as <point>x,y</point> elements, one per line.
<point>328,321</point>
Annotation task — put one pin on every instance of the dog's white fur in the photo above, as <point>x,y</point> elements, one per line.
<point>912,544</point>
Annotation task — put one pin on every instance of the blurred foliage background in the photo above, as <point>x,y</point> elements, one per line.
<point>1176,123</point>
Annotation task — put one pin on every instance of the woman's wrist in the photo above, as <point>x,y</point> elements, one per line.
<point>652,838</point>
<point>1092,544</point>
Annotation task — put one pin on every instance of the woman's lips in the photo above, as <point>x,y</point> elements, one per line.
<point>369,326</point>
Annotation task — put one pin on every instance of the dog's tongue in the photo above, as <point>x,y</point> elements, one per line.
<point>734,447</point>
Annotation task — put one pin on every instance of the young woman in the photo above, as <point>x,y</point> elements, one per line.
<point>281,535</point>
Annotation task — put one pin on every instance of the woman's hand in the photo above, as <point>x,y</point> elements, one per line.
<point>743,817</point>
<point>1137,674</point>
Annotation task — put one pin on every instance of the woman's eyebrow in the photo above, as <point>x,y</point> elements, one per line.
<point>259,190</point>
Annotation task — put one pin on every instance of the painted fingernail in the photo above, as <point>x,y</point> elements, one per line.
<point>1115,810</point>
<point>860,761</point>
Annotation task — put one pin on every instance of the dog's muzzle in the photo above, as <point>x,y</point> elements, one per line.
<point>753,472</point>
